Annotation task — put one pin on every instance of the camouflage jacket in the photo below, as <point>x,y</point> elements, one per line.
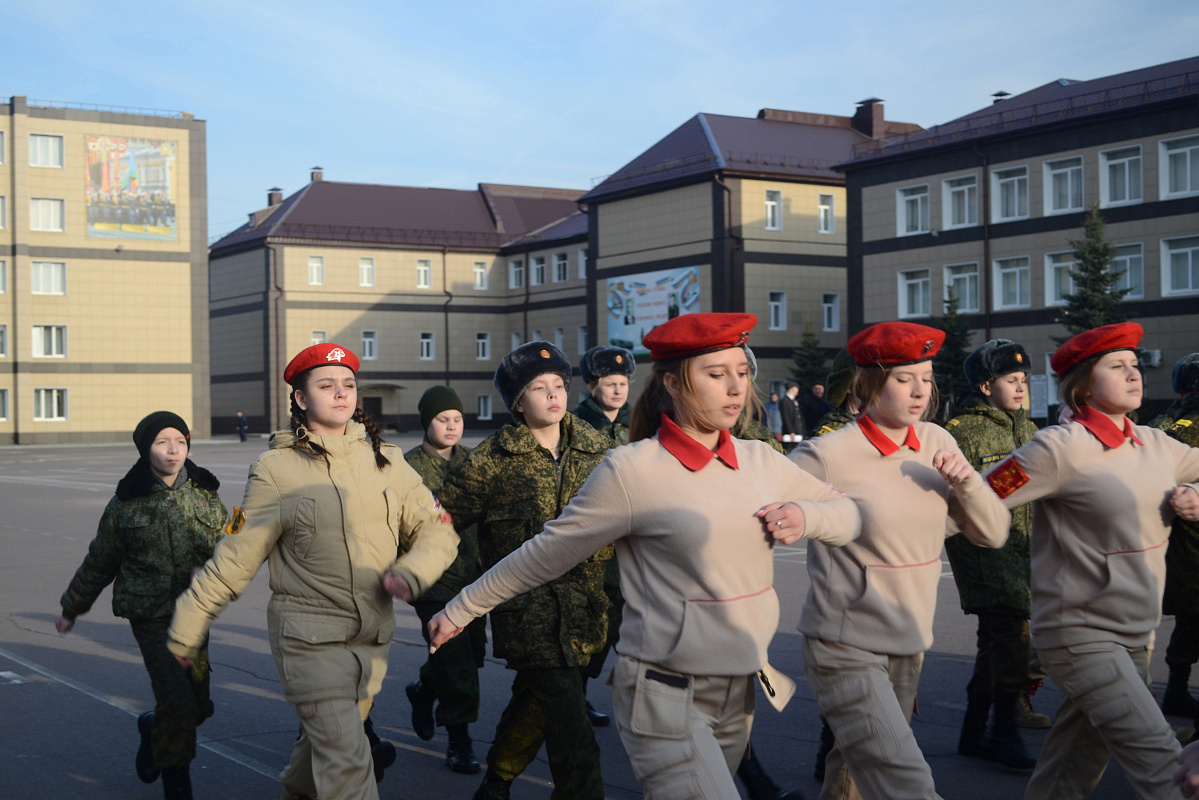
<point>832,421</point>
<point>992,580</point>
<point>510,486</point>
<point>149,540</point>
<point>432,469</point>
<point>615,429</point>
<point>1182,555</point>
<point>749,428</point>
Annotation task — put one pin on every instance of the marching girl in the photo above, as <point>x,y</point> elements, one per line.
<point>694,514</point>
<point>869,613</point>
<point>1105,492</point>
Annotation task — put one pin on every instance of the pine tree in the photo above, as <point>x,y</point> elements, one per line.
<point>952,386</point>
<point>811,366</point>
<point>1095,300</point>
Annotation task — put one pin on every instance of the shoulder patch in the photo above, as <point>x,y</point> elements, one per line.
<point>1007,478</point>
<point>1182,423</point>
<point>994,458</point>
<point>236,521</point>
<point>953,423</point>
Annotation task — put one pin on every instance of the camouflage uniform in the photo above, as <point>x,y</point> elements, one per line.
<point>149,540</point>
<point>832,421</point>
<point>511,486</point>
<point>1182,557</point>
<point>615,429</point>
<point>749,428</point>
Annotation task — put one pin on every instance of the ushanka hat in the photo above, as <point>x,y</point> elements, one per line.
<point>153,424</point>
<point>697,334</point>
<point>1095,342</point>
<point>895,344</point>
<point>319,355</point>
<point>435,400</point>
<point>994,359</point>
<point>600,362</point>
<point>520,367</point>
<point>1185,374</point>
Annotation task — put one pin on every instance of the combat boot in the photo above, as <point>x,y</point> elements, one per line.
<point>460,757</point>
<point>421,697</point>
<point>144,763</point>
<point>177,783</point>
<point>1026,715</point>
<point>1005,745</point>
<point>493,787</point>
<point>972,741</point>
<point>826,746</point>
<point>598,719</point>
<point>383,753</point>
<point>758,784</point>
<point>1177,701</point>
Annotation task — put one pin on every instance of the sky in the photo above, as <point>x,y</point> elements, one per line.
<point>535,92</point>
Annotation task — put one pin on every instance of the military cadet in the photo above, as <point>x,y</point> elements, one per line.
<point>515,481</point>
<point>1106,491</point>
<point>868,617</point>
<point>164,521</point>
<point>695,514</point>
<point>993,584</point>
<point>329,507</point>
<point>450,677</point>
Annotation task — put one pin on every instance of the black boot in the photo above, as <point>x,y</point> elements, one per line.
<point>827,740</point>
<point>1177,701</point>
<point>460,757</point>
<point>972,741</point>
<point>598,718</point>
<point>1005,745</point>
<point>421,698</point>
<point>144,763</point>
<point>758,784</point>
<point>493,787</point>
<point>383,753</point>
<point>177,783</point>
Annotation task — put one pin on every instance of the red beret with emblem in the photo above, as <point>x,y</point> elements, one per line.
<point>320,355</point>
<point>1095,342</point>
<point>894,344</point>
<point>696,334</point>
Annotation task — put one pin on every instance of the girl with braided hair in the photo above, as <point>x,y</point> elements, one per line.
<point>345,525</point>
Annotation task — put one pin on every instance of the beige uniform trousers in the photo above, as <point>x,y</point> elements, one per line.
<point>868,699</point>
<point>1108,711</point>
<point>332,758</point>
<point>685,734</point>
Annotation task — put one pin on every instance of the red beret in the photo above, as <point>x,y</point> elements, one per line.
<point>696,334</point>
<point>1095,342</point>
<point>320,355</point>
<point>893,344</point>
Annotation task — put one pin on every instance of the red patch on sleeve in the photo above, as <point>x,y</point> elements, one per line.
<point>446,519</point>
<point>1007,478</point>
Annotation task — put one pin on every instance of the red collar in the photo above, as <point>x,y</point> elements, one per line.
<point>1104,429</point>
<point>690,453</point>
<point>882,441</point>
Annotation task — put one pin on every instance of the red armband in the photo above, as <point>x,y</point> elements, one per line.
<point>1007,478</point>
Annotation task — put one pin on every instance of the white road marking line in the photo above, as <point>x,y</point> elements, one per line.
<point>12,678</point>
<point>64,484</point>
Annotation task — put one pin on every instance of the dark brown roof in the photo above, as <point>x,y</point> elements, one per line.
<point>572,227</point>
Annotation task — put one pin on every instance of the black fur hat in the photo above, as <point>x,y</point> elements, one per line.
<point>994,359</point>
<point>1185,374</point>
<point>600,362</point>
<point>518,369</point>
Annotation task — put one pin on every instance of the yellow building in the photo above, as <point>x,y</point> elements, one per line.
<point>103,271</point>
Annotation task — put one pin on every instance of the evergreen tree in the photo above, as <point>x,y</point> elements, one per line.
<point>811,367</point>
<point>1095,300</point>
<point>952,386</point>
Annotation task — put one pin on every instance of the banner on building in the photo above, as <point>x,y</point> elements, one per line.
<point>130,188</point>
<point>639,303</point>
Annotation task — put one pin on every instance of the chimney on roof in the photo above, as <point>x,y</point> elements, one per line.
<point>1000,96</point>
<point>868,119</point>
<point>318,174</point>
<point>274,196</point>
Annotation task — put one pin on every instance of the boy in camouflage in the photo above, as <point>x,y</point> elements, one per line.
<point>164,521</point>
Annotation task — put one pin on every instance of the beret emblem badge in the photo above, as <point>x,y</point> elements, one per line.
<point>336,354</point>
<point>927,346</point>
<point>1019,358</point>
<point>545,353</point>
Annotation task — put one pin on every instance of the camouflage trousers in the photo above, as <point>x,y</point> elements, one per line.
<point>547,706</point>
<point>595,666</point>
<point>452,673</point>
<point>181,701</point>
<point>1183,649</point>
<point>1001,664</point>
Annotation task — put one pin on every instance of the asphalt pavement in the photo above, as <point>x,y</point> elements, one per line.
<point>69,703</point>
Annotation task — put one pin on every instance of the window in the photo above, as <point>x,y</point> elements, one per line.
<point>482,346</point>
<point>774,210</point>
<point>484,406</point>
<point>49,341</point>
<point>49,277</point>
<point>515,341</point>
<point>49,405</point>
<point>516,274</point>
<point>961,281</point>
<point>480,273</point>
<point>915,293</point>
<point>1120,176</point>
<point>3,149</point>
<point>537,335</point>
<point>1129,264</point>
<point>913,210</point>
<point>3,397</point>
<point>319,337</point>
<point>424,273</point>
<point>370,345</point>
<point>1010,193</point>
<point>560,338</point>
<point>3,212</point>
<point>45,150</point>
<point>582,339</point>
<point>4,341</point>
<point>1181,175</point>
<point>582,263</point>
<point>826,221</point>
<point>561,267</point>
<point>1055,397</point>
<point>1180,265</point>
<point>1063,185</point>
<point>1012,282</point>
<point>830,311</point>
<point>1058,279</point>
<point>3,276</point>
<point>776,302</point>
<point>427,346</point>
<point>960,202</point>
<point>366,272</point>
<point>316,270</point>
<point>46,214</point>
<point>538,276</point>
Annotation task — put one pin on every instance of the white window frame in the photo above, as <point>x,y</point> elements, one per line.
<point>967,187</point>
<point>953,273</point>
<point>560,338</point>
<point>47,214</point>
<point>1122,160</point>
<point>427,346</point>
<point>57,283</point>
<point>49,156</point>
<point>424,273</point>
<point>582,339</point>
<point>582,263</point>
<point>60,342</point>
<point>3,212</point>
<point>515,341</point>
<point>61,404</point>
<point>774,210</point>
<point>1000,268</point>
<point>3,276</point>
<point>370,345</point>
<point>3,147</point>
<point>826,213</point>
<point>1069,170</point>
<point>1188,148</point>
<point>776,310</point>
<point>366,271</point>
<point>319,337</point>
<point>483,405</point>
<point>909,199</point>
<point>3,340</point>
<point>908,278</point>
<point>1057,284</point>
<point>316,270</point>
<point>1190,245</point>
<point>561,267</point>
<point>1053,381</point>
<point>537,271</point>
<point>3,400</point>
<point>1001,179</point>
<point>482,346</point>
<point>1133,263</point>
<point>479,276</point>
<point>830,312</point>
<point>536,336</point>
<point>516,274</point>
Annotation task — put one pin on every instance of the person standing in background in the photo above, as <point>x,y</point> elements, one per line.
<point>793,428</point>
<point>243,425</point>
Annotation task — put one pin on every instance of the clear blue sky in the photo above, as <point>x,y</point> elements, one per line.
<point>536,92</point>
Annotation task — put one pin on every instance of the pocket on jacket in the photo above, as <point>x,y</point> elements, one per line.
<point>898,598</point>
<point>303,526</point>
<point>210,518</point>
<point>736,629</point>
<point>1128,599</point>
<point>315,629</point>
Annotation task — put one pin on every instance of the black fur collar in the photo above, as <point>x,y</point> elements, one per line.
<point>139,481</point>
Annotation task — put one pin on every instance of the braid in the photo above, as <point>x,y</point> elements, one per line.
<point>376,439</point>
<point>299,426</point>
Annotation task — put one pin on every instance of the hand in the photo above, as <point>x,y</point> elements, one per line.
<point>186,663</point>
<point>1185,502</point>
<point>396,586</point>
<point>441,630</point>
<point>954,467</point>
<point>64,625</point>
<point>785,522</point>
<point>1187,774</point>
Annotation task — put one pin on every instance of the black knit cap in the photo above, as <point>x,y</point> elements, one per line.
<point>1185,374</point>
<point>600,362</point>
<point>435,400</point>
<point>520,367</point>
<point>994,359</point>
<point>148,429</point>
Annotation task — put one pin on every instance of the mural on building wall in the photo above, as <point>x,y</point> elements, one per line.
<point>639,303</point>
<point>130,188</point>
